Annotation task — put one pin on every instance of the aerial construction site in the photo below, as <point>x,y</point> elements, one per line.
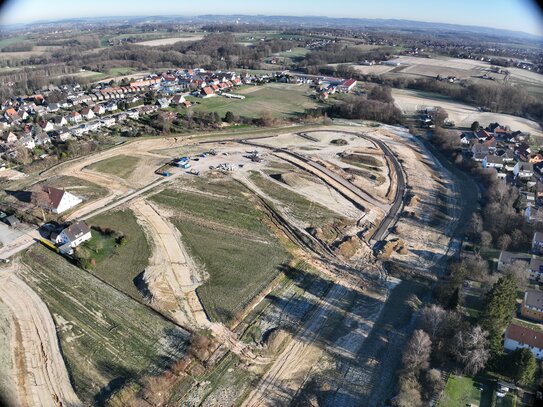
<point>269,262</point>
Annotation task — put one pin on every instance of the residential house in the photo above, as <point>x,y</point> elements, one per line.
<point>537,243</point>
<point>46,125</point>
<point>178,99</point>
<point>61,135</point>
<point>468,138</point>
<point>60,200</point>
<point>507,258</point>
<point>9,137</point>
<point>518,337</point>
<point>533,214</point>
<point>479,151</point>
<point>347,85</point>
<point>483,135</point>
<point>493,161</point>
<point>163,102</point>
<point>99,109</point>
<point>206,92</point>
<point>87,113</point>
<point>28,141</point>
<point>60,121</point>
<point>72,236</point>
<point>75,117</point>
<point>111,106</point>
<point>53,107</point>
<point>535,268</point>
<point>107,121</point>
<point>42,138</point>
<point>523,170</point>
<point>532,305</point>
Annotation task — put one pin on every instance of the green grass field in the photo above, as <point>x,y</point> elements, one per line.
<point>461,391</point>
<point>106,337</point>
<point>313,214</point>
<point>281,100</point>
<point>5,42</point>
<point>119,265</point>
<point>121,71</point>
<point>225,233</point>
<point>121,165</point>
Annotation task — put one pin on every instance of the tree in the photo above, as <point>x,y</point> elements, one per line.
<point>470,348</point>
<point>229,117</point>
<point>521,366</point>
<point>518,270</point>
<point>439,115</point>
<point>409,395</point>
<point>454,300</point>
<point>431,384</point>
<point>486,238</point>
<point>475,126</point>
<point>416,355</point>
<point>504,241</point>
<point>432,320</point>
<point>500,303</point>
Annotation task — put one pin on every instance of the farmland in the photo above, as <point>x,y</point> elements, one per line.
<point>278,99</point>
<point>106,337</point>
<point>169,41</point>
<point>462,114</point>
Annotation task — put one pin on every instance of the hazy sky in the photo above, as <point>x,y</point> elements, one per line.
<point>518,15</point>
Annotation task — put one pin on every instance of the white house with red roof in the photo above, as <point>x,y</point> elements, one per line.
<point>518,337</point>
<point>60,200</point>
<point>347,85</point>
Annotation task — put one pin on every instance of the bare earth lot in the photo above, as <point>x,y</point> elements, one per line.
<point>169,41</point>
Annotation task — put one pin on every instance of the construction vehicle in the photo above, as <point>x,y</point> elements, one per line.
<point>166,174</point>
<point>193,171</point>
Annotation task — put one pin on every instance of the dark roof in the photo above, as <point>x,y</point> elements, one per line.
<point>76,230</point>
<point>525,335</point>
<point>533,298</point>
<point>55,196</point>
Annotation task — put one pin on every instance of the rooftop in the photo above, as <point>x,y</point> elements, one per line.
<point>525,335</point>
<point>533,298</point>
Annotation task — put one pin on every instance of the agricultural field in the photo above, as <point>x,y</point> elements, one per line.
<point>106,337</point>
<point>121,166</point>
<point>169,41</point>
<point>281,100</point>
<point>463,115</point>
<point>226,235</point>
<point>117,262</point>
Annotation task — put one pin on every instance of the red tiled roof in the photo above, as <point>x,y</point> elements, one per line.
<point>207,90</point>
<point>525,335</point>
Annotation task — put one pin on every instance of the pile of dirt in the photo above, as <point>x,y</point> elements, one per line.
<point>363,159</point>
<point>339,142</point>
<point>331,232</point>
<point>394,245</point>
<point>349,246</point>
<point>411,199</point>
<point>274,339</point>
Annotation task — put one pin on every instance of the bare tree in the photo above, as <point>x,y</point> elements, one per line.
<point>518,270</point>
<point>504,241</point>
<point>409,395</point>
<point>417,352</point>
<point>470,348</point>
<point>432,320</point>
<point>486,238</point>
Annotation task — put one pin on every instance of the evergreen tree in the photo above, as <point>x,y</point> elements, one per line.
<point>521,366</point>
<point>499,307</point>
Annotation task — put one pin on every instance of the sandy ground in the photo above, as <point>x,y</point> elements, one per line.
<point>462,114</point>
<point>456,63</point>
<point>169,41</point>
<point>8,371</point>
<point>171,277</point>
<point>42,378</point>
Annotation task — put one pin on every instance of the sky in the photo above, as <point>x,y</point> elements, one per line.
<point>517,15</point>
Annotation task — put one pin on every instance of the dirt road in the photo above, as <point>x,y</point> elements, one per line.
<point>287,374</point>
<point>171,277</point>
<point>42,378</point>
